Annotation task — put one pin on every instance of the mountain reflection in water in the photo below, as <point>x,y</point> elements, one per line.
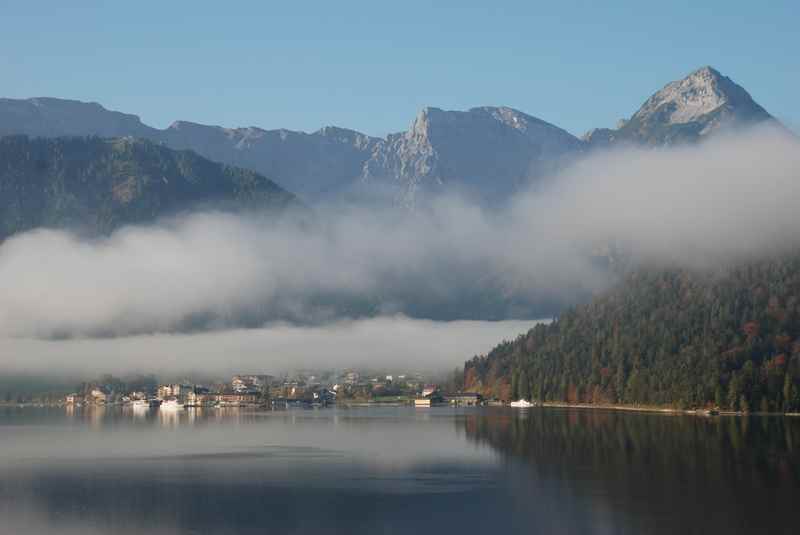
<point>394,470</point>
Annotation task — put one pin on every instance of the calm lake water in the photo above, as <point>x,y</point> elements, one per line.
<point>395,470</point>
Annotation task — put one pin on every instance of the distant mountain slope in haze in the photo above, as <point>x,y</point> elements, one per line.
<point>55,117</point>
<point>314,166</point>
<point>685,111</point>
<point>99,184</point>
<point>489,152</point>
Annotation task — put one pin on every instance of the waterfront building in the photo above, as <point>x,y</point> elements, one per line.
<point>465,398</point>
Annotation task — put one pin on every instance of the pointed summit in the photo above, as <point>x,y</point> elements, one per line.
<point>702,92</point>
<point>687,110</point>
<point>706,72</point>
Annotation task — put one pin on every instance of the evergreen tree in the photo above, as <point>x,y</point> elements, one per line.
<point>524,386</point>
<point>515,384</point>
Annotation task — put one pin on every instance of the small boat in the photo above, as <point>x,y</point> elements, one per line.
<point>171,405</point>
<point>140,404</point>
<point>522,404</point>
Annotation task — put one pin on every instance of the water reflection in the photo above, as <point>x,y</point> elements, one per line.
<point>669,473</point>
<point>237,471</point>
<point>394,470</point>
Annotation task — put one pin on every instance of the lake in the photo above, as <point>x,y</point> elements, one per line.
<point>395,470</point>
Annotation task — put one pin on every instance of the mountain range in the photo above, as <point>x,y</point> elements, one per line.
<point>486,152</point>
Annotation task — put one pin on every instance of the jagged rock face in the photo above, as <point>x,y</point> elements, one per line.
<point>488,152</point>
<point>686,111</point>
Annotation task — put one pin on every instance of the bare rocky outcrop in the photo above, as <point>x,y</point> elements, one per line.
<point>487,152</point>
<point>686,111</point>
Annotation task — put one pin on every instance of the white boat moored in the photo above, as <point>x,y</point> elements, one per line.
<point>171,404</point>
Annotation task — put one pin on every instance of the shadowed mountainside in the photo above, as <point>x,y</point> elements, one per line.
<point>97,185</point>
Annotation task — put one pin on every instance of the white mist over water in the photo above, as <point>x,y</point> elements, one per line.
<point>414,345</point>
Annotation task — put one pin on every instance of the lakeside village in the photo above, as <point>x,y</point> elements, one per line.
<point>266,391</point>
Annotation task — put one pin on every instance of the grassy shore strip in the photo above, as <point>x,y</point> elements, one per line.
<point>631,408</point>
<point>662,410</point>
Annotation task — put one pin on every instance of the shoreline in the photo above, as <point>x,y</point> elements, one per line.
<point>661,410</point>
<point>547,405</point>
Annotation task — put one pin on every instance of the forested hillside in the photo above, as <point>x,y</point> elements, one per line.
<point>677,338</point>
<point>99,184</point>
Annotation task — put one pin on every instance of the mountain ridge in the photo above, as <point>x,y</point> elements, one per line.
<point>489,151</point>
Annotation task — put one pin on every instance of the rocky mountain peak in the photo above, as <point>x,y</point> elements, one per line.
<point>686,100</point>
<point>488,151</point>
<point>426,119</point>
<point>685,111</point>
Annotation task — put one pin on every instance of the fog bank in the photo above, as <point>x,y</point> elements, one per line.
<point>412,345</point>
<point>726,200</point>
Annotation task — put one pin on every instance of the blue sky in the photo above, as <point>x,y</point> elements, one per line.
<point>372,65</point>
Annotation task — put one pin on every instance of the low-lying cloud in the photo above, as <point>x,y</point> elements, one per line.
<point>726,200</point>
<point>729,199</point>
<point>393,342</point>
